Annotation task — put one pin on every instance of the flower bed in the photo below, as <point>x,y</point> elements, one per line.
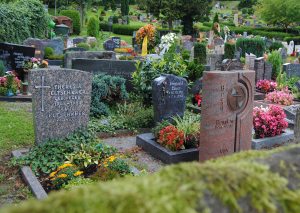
<point>282,97</point>
<point>266,86</point>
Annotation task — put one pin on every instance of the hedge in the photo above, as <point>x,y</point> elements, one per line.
<point>264,181</point>
<point>229,51</point>
<point>255,46</point>
<point>200,53</point>
<point>75,16</point>
<point>21,20</point>
<point>125,29</point>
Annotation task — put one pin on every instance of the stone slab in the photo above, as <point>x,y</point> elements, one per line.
<point>285,138</point>
<point>147,142</point>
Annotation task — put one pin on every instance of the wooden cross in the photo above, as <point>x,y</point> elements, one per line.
<point>42,86</point>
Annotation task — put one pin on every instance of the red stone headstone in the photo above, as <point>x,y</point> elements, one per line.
<point>226,124</point>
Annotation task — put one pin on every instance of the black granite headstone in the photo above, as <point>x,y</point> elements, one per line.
<point>117,41</point>
<point>169,95</point>
<point>14,56</point>
<point>120,68</point>
<point>109,45</point>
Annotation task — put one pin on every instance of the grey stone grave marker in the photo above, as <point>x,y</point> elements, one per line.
<point>250,58</point>
<point>268,71</point>
<point>169,95</point>
<point>259,67</point>
<point>292,70</point>
<point>61,102</point>
<point>120,68</point>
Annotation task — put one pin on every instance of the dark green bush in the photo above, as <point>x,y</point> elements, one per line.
<point>93,27</point>
<point>75,16</point>
<point>194,70</point>
<point>106,91</point>
<point>2,68</point>
<point>255,46</point>
<point>275,46</point>
<point>115,19</point>
<point>21,20</point>
<point>229,51</point>
<point>48,52</point>
<point>104,26</point>
<point>200,53</point>
<point>83,45</point>
<point>101,18</point>
<point>125,29</point>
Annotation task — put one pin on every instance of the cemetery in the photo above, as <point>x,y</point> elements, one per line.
<point>149,106</point>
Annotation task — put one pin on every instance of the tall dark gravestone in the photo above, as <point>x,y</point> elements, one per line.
<point>259,67</point>
<point>227,107</point>
<point>120,68</point>
<point>169,95</point>
<point>14,56</point>
<point>61,102</point>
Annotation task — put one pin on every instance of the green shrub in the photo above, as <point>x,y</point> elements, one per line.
<point>2,68</point>
<point>194,70</point>
<point>124,7</point>
<point>276,60</point>
<point>48,52</point>
<point>275,46</point>
<point>104,26</point>
<point>115,19</point>
<point>106,91</point>
<point>125,29</point>
<point>77,182</point>
<point>103,13</point>
<point>255,46</point>
<point>93,27</point>
<point>229,51</point>
<point>56,57</point>
<point>83,45</point>
<point>75,16</point>
<point>101,18</point>
<point>294,38</point>
<point>21,20</point>
<point>3,91</point>
<point>200,53</point>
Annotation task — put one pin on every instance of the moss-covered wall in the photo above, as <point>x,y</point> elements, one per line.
<point>256,181</point>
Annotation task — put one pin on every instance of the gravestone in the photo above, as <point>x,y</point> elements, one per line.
<point>109,45</point>
<point>292,70</point>
<point>218,41</point>
<point>61,102</point>
<point>120,68</point>
<point>169,95</point>
<point>259,67</point>
<point>249,61</point>
<point>14,56</point>
<point>236,19</point>
<point>245,34</point>
<point>219,49</point>
<point>268,71</point>
<point>231,64</point>
<point>214,61</point>
<point>78,40</point>
<point>74,49</point>
<point>227,107</point>
<point>238,53</point>
<point>57,44</point>
<point>283,53</point>
<point>69,56</point>
<point>297,126</point>
<point>117,41</point>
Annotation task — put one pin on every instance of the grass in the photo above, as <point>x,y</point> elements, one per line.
<point>16,130</point>
<point>16,126</point>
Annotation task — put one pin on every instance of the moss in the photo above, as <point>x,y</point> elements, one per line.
<point>246,182</point>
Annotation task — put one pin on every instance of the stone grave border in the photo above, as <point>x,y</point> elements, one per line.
<point>147,142</point>
<point>285,138</point>
<point>17,98</point>
<point>32,181</point>
<point>29,177</point>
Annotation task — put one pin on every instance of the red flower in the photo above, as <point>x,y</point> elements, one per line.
<point>171,138</point>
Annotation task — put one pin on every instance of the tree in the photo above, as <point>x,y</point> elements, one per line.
<point>216,18</point>
<point>278,12</point>
<point>113,5</point>
<point>186,10</point>
<point>246,4</point>
<point>125,7</point>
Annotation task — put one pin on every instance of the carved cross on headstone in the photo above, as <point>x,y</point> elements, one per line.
<point>42,86</point>
<point>236,98</point>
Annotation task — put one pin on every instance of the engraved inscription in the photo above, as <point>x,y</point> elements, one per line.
<point>224,124</point>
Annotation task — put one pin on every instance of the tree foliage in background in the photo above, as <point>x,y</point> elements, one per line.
<point>93,27</point>
<point>279,12</point>
<point>124,7</point>
<point>188,12</point>
<point>21,20</point>
<point>246,4</point>
<point>75,16</point>
<point>216,18</point>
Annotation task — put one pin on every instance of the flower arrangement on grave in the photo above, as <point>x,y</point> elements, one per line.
<point>171,138</point>
<point>197,99</point>
<point>148,31</point>
<point>269,122</point>
<point>266,86</point>
<point>283,97</point>
<point>124,50</point>
<point>34,63</point>
<point>9,84</point>
<point>167,41</point>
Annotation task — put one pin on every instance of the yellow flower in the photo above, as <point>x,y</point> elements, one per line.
<point>111,158</point>
<point>65,166</point>
<point>62,176</point>
<point>78,173</point>
<point>52,174</point>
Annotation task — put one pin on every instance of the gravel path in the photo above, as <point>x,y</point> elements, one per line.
<point>140,159</point>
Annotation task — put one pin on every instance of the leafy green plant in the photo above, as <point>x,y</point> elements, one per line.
<point>194,71</point>
<point>83,45</point>
<point>275,59</point>
<point>275,46</point>
<point>48,52</point>
<point>77,182</point>
<point>2,68</point>
<point>75,16</point>
<point>93,27</point>
<point>107,90</point>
